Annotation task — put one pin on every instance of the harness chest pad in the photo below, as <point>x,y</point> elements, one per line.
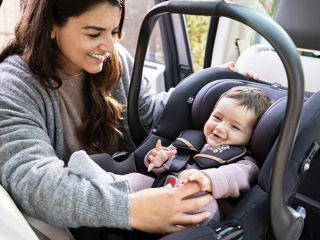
<point>190,140</point>
<point>188,143</point>
<point>215,157</point>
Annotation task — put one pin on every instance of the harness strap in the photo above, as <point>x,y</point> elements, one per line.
<point>188,144</point>
<point>180,161</point>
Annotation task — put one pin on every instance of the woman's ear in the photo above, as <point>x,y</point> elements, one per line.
<point>53,34</point>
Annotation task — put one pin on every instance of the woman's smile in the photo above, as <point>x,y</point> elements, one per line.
<point>97,58</point>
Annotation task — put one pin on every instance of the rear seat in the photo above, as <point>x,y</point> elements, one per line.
<point>300,20</point>
<point>268,66</point>
<point>13,226</point>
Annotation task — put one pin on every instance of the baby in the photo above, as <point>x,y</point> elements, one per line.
<point>232,122</point>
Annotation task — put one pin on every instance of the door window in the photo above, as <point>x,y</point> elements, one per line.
<point>9,13</point>
<point>136,10</point>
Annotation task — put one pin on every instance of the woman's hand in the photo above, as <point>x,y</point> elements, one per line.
<point>232,67</point>
<point>162,210</point>
<point>159,156</point>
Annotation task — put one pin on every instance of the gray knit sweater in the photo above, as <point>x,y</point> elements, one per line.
<point>31,149</point>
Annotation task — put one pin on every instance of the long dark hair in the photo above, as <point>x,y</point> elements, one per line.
<point>33,42</point>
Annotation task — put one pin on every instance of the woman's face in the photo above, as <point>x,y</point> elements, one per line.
<point>86,40</point>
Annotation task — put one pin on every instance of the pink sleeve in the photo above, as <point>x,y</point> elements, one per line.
<point>165,166</point>
<point>232,179</point>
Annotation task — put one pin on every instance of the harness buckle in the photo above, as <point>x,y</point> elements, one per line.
<point>171,179</point>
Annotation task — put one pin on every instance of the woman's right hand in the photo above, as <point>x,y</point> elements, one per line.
<point>162,210</point>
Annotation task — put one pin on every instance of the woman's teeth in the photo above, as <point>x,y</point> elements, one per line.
<point>97,56</point>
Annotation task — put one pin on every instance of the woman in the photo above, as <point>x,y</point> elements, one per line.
<point>63,87</point>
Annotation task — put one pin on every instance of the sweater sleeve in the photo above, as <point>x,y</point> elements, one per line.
<point>33,174</point>
<point>150,103</point>
<point>232,179</point>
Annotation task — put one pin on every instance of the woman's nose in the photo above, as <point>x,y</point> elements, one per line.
<point>107,45</point>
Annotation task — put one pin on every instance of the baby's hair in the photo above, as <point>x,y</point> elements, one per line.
<point>250,97</point>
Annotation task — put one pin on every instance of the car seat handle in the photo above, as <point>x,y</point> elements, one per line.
<point>286,222</point>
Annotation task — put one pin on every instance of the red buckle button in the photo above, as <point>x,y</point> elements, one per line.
<point>171,180</point>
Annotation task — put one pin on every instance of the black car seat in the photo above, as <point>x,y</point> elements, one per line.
<point>300,19</point>
<point>195,104</point>
<point>252,217</point>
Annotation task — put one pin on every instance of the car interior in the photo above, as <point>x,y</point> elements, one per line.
<point>298,155</point>
<point>284,203</point>
<point>304,32</point>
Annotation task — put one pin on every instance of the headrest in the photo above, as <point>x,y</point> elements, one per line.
<point>301,21</point>
<point>267,128</point>
<point>257,57</point>
<point>307,136</point>
<point>206,99</point>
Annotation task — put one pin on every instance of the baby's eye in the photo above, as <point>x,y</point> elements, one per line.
<point>94,35</point>
<point>216,117</point>
<point>235,127</point>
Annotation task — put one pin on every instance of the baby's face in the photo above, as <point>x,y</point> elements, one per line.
<point>229,124</point>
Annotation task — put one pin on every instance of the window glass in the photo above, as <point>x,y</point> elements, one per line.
<point>136,10</point>
<point>9,13</point>
<point>269,7</point>
<point>197,28</point>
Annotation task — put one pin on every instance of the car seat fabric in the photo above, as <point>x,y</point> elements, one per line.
<point>267,129</point>
<point>308,133</point>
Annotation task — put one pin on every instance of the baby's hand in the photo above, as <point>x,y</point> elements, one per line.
<point>159,156</point>
<point>232,67</point>
<point>197,176</point>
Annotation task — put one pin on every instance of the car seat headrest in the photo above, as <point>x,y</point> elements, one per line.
<point>267,128</point>
<point>206,99</point>
<point>301,20</point>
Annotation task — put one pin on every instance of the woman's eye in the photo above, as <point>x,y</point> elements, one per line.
<point>115,33</point>
<point>94,35</point>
